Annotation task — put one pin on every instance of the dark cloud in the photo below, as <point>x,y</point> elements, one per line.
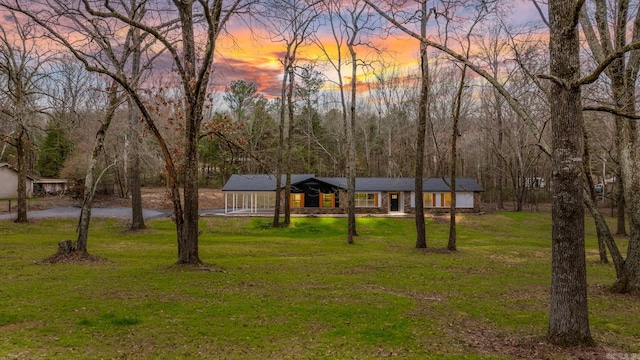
<point>229,69</point>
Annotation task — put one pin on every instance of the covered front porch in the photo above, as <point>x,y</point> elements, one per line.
<point>249,202</point>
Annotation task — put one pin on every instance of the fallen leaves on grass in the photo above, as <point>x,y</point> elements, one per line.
<point>73,257</point>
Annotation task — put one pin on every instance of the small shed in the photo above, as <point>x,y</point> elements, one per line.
<point>50,186</point>
<point>9,182</point>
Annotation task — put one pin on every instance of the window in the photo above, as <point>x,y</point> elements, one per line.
<point>429,200</point>
<point>445,200</point>
<point>296,200</point>
<point>328,200</point>
<point>366,199</point>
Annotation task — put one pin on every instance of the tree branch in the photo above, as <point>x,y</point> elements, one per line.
<point>544,19</point>
<point>620,52</point>
<point>612,110</point>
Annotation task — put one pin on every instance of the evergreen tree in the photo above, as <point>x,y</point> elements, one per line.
<point>53,152</point>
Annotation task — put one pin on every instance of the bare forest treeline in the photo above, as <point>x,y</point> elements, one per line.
<point>494,146</point>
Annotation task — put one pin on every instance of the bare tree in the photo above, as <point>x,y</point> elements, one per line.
<point>607,33</point>
<point>21,75</point>
<point>191,51</point>
<point>291,23</point>
<point>568,323</point>
<point>351,22</point>
<point>568,276</point>
<point>423,110</point>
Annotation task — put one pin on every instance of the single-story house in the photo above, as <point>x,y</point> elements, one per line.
<point>9,182</point>
<point>328,195</point>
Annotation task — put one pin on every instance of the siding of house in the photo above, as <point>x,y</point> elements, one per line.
<point>9,183</point>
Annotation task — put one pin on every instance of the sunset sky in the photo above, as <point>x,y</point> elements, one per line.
<point>253,59</point>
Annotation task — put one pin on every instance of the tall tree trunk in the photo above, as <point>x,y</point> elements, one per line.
<point>351,143</point>
<point>188,241</point>
<point>195,89</point>
<point>22,176</point>
<point>287,205</point>
<point>499,145</point>
<point>568,312</point>
<point>137,219</point>
<point>280,159</point>
<point>621,228</point>
<point>421,232</point>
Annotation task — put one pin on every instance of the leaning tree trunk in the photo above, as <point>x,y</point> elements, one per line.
<point>629,157</point>
<point>451,245</point>
<point>568,313</point>
<point>90,182</point>
<point>590,201</point>
<point>604,235</point>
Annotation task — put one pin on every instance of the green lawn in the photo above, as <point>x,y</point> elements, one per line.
<point>297,293</point>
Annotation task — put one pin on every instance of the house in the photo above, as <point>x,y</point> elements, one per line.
<point>328,195</point>
<point>9,182</point>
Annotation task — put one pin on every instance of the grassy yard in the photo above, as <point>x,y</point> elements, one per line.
<point>298,293</point>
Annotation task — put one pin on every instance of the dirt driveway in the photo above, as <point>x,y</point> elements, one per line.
<point>153,198</point>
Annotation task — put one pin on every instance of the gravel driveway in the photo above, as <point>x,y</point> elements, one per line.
<point>74,212</point>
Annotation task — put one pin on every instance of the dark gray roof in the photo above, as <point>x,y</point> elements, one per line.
<point>268,183</point>
<point>442,185</point>
<point>260,182</point>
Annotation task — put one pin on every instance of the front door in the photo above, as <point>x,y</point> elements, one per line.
<point>394,202</point>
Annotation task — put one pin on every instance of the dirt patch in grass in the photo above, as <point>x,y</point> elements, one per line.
<point>437,250</point>
<point>484,339</point>
<point>197,268</point>
<point>73,257</point>
<point>10,328</point>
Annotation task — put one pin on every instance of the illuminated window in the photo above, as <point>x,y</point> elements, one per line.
<point>445,200</point>
<point>429,200</point>
<point>328,200</point>
<point>296,200</point>
<point>366,199</point>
